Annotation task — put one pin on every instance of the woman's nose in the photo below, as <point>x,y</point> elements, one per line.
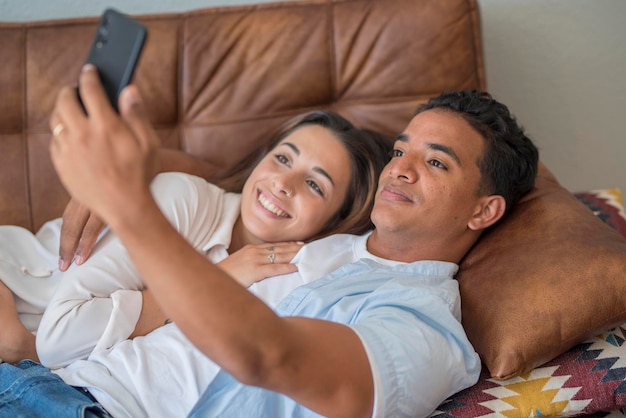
<point>282,185</point>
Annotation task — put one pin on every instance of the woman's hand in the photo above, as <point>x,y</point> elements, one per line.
<point>79,233</point>
<point>254,263</point>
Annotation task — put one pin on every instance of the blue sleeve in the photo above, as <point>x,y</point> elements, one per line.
<point>418,350</point>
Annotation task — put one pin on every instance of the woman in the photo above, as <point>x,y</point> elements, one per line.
<point>318,179</point>
<point>338,210</point>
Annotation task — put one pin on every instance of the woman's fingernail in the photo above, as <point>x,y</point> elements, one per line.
<point>62,264</point>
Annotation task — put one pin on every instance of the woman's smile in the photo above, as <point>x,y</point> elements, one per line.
<point>301,183</point>
<point>270,206</point>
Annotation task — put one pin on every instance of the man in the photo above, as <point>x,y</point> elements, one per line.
<point>378,337</point>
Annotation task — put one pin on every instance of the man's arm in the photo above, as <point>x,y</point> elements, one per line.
<point>320,364</point>
<point>247,266</point>
<point>104,161</point>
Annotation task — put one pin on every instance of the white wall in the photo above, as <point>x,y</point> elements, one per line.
<point>560,66</point>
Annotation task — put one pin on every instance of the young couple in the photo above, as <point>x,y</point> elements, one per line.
<point>380,336</point>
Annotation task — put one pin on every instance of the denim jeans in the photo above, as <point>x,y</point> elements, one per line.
<point>28,389</point>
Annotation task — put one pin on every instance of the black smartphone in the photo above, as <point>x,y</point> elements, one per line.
<point>115,50</point>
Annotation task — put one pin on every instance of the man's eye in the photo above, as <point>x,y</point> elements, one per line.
<point>438,164</point>
<point>313,185</point>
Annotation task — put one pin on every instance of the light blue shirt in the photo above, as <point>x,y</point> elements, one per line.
<point>408,317</point>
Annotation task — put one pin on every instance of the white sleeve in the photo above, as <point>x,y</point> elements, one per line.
<point>98,304</point>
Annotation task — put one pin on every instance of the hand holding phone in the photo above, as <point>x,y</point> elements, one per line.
<point>115,50</point>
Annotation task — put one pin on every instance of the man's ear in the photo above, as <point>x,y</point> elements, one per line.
<point>489,211</point>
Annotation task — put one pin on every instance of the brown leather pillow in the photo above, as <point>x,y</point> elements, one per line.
<point>547,277</point>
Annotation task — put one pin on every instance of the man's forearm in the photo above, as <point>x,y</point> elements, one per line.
<point>193,292</point>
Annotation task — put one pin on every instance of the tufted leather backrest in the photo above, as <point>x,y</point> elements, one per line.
<point>217,81</point>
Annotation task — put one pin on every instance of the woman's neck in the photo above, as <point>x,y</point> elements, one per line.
<point>241,237</point>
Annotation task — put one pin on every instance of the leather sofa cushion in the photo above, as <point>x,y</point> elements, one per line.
<point>547,277</point>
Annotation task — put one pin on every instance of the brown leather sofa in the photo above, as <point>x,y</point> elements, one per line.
<point>217,81</point>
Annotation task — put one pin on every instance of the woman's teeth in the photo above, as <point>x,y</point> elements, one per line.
<point>270,206</point>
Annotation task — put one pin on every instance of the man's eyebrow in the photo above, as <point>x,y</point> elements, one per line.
<point>320,170</point>
<point>446,150</point>
<point>438,147</point>
<point>402,138</point>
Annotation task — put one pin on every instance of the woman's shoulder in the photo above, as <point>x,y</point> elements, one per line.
<point>178,193</point>
<point>183,187</point>
<point>175,181</point>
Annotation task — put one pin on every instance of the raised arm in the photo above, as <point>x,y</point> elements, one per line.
<point>320,364</point>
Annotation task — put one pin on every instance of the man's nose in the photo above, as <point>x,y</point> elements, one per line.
<point>403,169</point>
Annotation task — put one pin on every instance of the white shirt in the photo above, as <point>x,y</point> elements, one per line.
<point>97,305</point>
<point>29,267</point>
<point>163,374</point>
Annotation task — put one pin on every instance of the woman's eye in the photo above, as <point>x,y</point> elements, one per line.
<point>281,159</point>
<point>313,185</point>
<point>438,164</point>
<point>396,153</point>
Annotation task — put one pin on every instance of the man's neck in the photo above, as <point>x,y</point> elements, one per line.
<point>391,247</point>
<point>397,247</point>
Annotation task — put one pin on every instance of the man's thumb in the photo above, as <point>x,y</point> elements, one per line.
<point>134,113</point>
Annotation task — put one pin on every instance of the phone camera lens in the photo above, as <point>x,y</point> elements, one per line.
<point>100,42</point>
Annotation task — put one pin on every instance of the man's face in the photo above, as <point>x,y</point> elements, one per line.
<point>429,189</point>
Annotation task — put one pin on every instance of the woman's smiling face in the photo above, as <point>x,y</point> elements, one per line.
<point>297,187</point>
